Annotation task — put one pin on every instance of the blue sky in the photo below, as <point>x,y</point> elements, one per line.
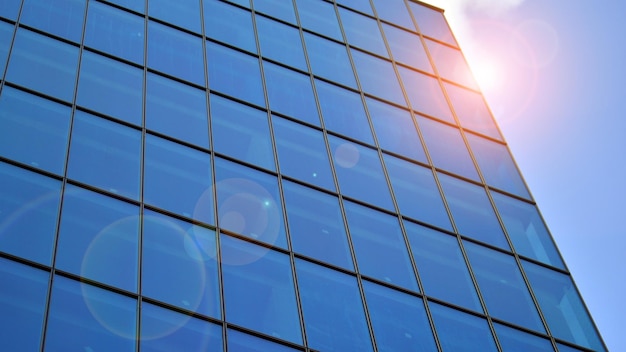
<point>554,74</point>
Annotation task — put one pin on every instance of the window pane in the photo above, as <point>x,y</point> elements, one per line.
<point>359,5</point>
<point>259,289</point>
<point>64,19</point>
<point>461,332</point>
<point>472,111</point>
<point>394,11</point>
<point>316,225</point>
<point>229,24</point>
<point>10,9</point>
<point>290,93</point>
<point>181,13</point>
<point>362,32</point>
<point>34,130</point>
<point>6,36</point>
<point>329,60</point>
<point>407,48</point>
<point>432,23</point>
<point>280,42</point>
<point>332,308</point>
<point>425,94</point>
<point>379,245</point>
<point>172,247</point>
<point>516,340</point>
<point>105,154</point>
<point>319,17</point>
<point>378,77</point>
<point>135,5</point>
<point>241,342</point>
<point>178,179</point>
<point>564,348</point>
<point>451,64</point>
<point>280,9</point>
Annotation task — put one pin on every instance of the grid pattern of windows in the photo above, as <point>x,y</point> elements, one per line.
<point>298,175</point>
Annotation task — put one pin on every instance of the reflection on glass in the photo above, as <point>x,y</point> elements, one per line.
<point>64,19</point>
<point>394,11</point>
<point>329,60</point>
<point>472,111</point>
<point>239,341</point>
<point>432,23</point>
<point>10,9</point>
<point>378,77</point>
<point>6,35</point>
<point>362,32</point>
<point>135,5</point>
<point>182,13</point>
<point>280,9</point>
<point>461,332</point>
<point>451,64</point>
<point>425,94</point>
<point>515,340</point>
<point>229,24</point>
<point>319,17</point>
<point>407,48</point>
<point>290,93</point>
<point>280,42</point>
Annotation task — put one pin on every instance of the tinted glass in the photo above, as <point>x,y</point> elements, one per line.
<point>10,9</point>
<point>362,32</point>
<point>564,348</point>
<point>64,19</point>
<point>290,93</point>
<point>472,111</point>
<point>239,341</point>
<point>319,17</point>
<point>181,13</point>
<point>6,35</point>
<point>359,5</point>
<point>378,77</point>
<point>461,332</point>
<point>516,340</point>
<point>425,94</point>
<point>329,60</point>
<point>394,11</point>
<point>451,64</point>
<point>135,5</point>
<point>229,24</point>
<point>280,9</point>
<point>280,42</point>
<point>432,23</point>
<point>407,48</point>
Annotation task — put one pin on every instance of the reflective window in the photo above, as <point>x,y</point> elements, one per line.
<point>110,87</point>
<point>329,60</point>
<point>362,32</point>
<point>378,77</point>
<point>135,5</point>
<point>441,266</point>
<point>564,348</point>
<point>331,303</point>
<point>280,42</point>
<point>399,320</point>
<point>6,35</point>
<point>239,341</point>
<point>177,110</point>
<point>64,19</point>
<point>425,94</point>
<point>461,332</point>
<point>280,9</point>
<point>432,23</point>
<point>98,238</point>
<point>379,245</point>
<point>85,317</point>
<point>245,3</point>
<point>319,17</point>
<point>171,247</point>
<point>472,111</point>
<point>34,130</point>
<point>258,289</point>
<point>43,64</point>
<point>242,132</point>
<point>359,5</point>
<point>105,154</point>
<point>178,179</point>
<point>516,340</point>
<point>229,24</point>
<point>290,93</point>
<point>10,9</point>
<point>360,173</point>
<point>394,11</point>
<point>181,13</point>
<point>302,153</point>
<point>451,64</point>
<point>316,225</point>
<point>416,192</point>
<point>234,73</point>
<point>407,48</point>
<point>248,203</point>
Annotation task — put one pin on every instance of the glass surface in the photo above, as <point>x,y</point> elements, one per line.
<point>280,42</point>
<point>472,212</point>
<point>171,247</point>
<point>105,154</point>
<point>177,110</point>
<point>359,5</point>
<point>316,225</point>
<point>241,132</point>
<point>562,307</point>
<point>447,148</point>
<point>280,9</point>
<point>380,249</point>
<point>181,13</point>
<point>234,73</point>
<point>360,173</point>
<point>229,24</point>
<point>241,342</point>
<point>178,179</point>
<point>399,320</point>
<point>332,309</point>
<point>34,130</point>
<point>378,78</point>
<point>84,318</point>
<point>10,9</point>
<point>6,36</point>
<point>22,305</point>
<point>564,348</point>
<point>407,48</point>
<point>416,192</point>
<point>329,60</point>
<point>135,5</point>
<point>103,81</point>
<point>343,112</point>
<point>302,153</point>
<point>461,332</point>
<point>432,23</point>
<point>165,330</point>
<point>64,19</point>
<point>451,64</point>
<point>472,111</point>
<point>28,213</point>
<point>98,238</point>
<point>290,93</point>
<point>248,203</point>
<point>515,340</point>
<point>43,64</point>
<point>394,11</point>
<point>441,266</point>
<point>319,17</point>
<point>259,292</point>
<point>526,230</point>
<point>362,32</point>
<point>425,94</point>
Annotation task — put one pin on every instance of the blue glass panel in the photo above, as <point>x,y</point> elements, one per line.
<point>362,32</point>
<point>378,77</point>
<point>516,340</point>
<point>359,5</point>
<point>22,305</point>
<point>280,42</point>
<point>319,17</point>
<point>64,18</point>
<point>451,64</point>
<point>105,154</point>
<point>10,9</point>
<point>6,35</point>
<point>248,203</point>
<point>240,342</point>
<point>280,9</point>
<point>472,212</point>
<point>379,245</point>
<point>526,230</point>
<point>234,73</point>
<point>181,13</point>
<point>329,60</point>
<point>135,5</point>
<point>316,225</point>
<point>564,348</point>
<point>242,132</point>
<point>28,211</point>
<point>34,130</point>
<point>43,64</point>
<point>177,110</point>
<point>441,266</point>
<point>472,111</point>
<point>178,179</point>
<point>290,93</point>
<point>115,32</point>
<point>399,320</point>
<point>425,94</point>
<point>110,87</point>
<point>165,330</point>
<point>395,130</point>
<point>172,247</point>
<point>360,173</point>
<point>562,307</point>
<point>461,332</point>
<point>229,24</point>
<point>416,192</point>
<point>302,153</point>
<point>259,291</point>
<point>332,309</point>
<point>407,48</point>
<point>85,318</point>
<point>432,23</point>
<point>343,112</point>
<point>394,11</point>
<point>175,52</point>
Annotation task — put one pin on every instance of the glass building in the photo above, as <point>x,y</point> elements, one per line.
<point>267,175</point>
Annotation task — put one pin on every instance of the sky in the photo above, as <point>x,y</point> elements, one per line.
<point>554,75</point>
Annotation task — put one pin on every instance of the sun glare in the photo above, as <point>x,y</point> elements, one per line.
<point>487,75</point>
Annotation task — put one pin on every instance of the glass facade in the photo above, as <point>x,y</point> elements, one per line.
<point>255,175</point>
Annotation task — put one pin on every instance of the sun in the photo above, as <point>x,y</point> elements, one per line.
<point>488,75</point>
